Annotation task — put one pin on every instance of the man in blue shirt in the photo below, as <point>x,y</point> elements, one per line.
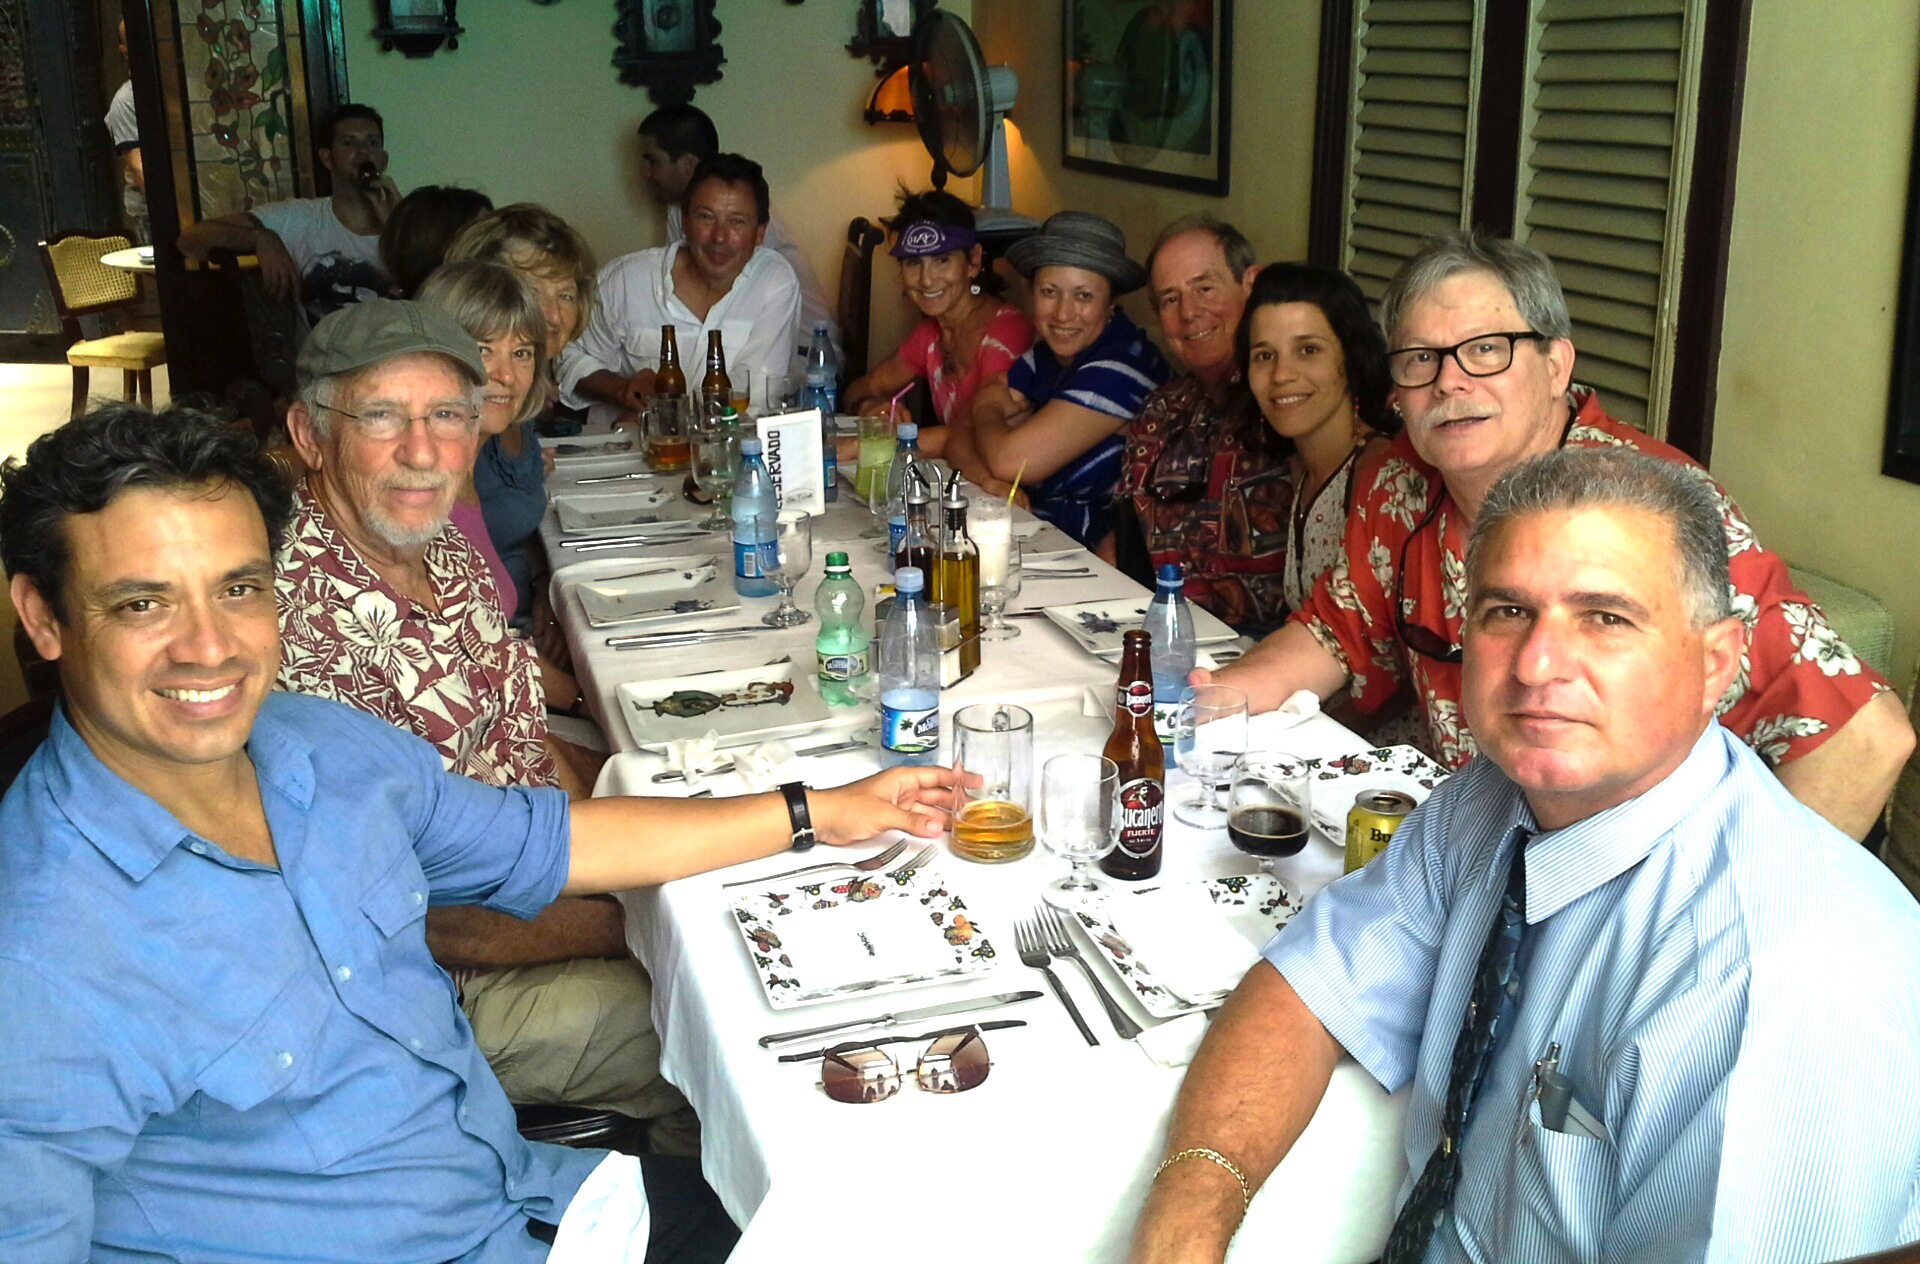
<point>225,1036</point>
<point>1653,1008</point>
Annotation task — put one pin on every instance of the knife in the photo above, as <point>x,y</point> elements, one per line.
<point>680,642</point>
<point>673,634</point>
<point>969,1006</point>
<point>635,541</point>
<point>832,748</point>
<point>615,478</point>
<point>809,1055</point>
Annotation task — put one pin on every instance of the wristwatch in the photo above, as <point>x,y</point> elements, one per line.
<point>795,793</point>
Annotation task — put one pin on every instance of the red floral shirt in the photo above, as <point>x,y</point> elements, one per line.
<point>1797,683</point>
<point>457,678</point>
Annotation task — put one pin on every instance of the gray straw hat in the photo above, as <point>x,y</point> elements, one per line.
<point>1079,239</point>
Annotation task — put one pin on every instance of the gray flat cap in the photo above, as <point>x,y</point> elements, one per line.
<point>380,328</point>
<point>1079,239</point>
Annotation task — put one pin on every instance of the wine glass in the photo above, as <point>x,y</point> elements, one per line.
<point>1267,807</point>
<point>1001,564</point>
<point>785,558</point>
<point>1079,821</point>
<point>716,457</point>
<point>1209,733</point>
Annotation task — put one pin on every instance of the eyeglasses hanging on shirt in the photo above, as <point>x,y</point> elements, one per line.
<point>1421,640</point>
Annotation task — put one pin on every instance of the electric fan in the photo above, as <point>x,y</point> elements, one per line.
<point>960,105</point>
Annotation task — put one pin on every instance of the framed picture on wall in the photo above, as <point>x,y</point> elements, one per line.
<point>1901,458</point>
<point>1149,90</point>
<point>668,46</point>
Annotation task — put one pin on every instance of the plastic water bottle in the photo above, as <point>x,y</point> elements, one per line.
<point>823,392</point>
<point>754,511</point>
<point>909,669</point>
<point>843,645</point>
<point>1170,622</point>
<point>906,456</point>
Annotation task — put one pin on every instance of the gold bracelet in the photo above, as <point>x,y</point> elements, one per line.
<point>1212,1155</point>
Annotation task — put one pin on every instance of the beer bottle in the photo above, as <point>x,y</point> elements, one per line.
<point>1137,753</point>
<point>716,392</point>
<point>669,380</point>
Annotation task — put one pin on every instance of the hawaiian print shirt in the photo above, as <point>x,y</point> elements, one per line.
<point>458,678</point>
<point>1797,683</point>
<point>1212,489</point>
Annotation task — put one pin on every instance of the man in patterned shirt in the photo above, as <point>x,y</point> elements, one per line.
<point>387,609</point>
<point>1204,481</point>
<point>1483,362</point>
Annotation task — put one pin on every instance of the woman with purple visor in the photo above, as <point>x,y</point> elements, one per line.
<point>966,334</point>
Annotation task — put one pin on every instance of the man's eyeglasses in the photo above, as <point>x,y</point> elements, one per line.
<point>1481,356</point>
<point>1421,640</point>
<point>860,1071</point>
<point>445,422</point>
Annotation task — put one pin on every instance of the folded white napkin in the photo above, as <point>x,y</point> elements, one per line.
<point>1302,704</point>
<point>758,766</point>
<point>1183,938</point>
<point>607,1221</point>
<point>1174,1042</point>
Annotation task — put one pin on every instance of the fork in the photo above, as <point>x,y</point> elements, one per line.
<point>868,865</point>
<point>1031,941</point>
<point>1062,945</point>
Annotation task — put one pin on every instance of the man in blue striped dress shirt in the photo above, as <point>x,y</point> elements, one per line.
<point>1733,985</point>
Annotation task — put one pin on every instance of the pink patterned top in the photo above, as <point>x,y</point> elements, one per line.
<point>1004,340</point>
<point>457,678</point>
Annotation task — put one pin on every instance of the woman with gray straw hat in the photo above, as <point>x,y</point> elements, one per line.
<point>1055,420</point>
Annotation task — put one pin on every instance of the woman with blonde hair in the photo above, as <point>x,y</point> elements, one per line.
<point>549,255</point>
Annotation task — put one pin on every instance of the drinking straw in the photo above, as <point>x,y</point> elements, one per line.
<point>1012,491</point>
<point>893,405</point>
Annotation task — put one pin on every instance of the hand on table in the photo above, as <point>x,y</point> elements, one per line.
<point>914,800</point>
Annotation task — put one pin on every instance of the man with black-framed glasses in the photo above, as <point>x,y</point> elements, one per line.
<point>1482,359</point>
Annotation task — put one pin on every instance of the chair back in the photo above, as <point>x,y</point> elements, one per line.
<point>275,330</point>
<point>856,294</point>
<point>81,284</point>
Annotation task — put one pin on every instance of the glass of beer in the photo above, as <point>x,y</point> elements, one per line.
<point>993,821</point>
<point>668,421</point>
<point>1079,821</point>
<point>1267,807</point>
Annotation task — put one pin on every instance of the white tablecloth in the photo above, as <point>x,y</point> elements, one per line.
<point>1050,1158</point>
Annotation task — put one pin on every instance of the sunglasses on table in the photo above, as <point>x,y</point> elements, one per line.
<point>953,1061</point>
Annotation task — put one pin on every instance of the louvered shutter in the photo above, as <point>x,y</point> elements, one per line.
<point>1411,158</point>
<point>1605,151</point>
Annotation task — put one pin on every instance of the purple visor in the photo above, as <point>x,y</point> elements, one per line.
<point>924,237</point>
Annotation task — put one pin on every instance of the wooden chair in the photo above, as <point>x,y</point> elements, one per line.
<point>856,295</point>
<point>83,286</point>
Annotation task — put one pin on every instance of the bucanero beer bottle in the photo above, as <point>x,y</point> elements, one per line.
<point>1136,752</point>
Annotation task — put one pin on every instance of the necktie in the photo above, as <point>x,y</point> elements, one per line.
<point>1496,992</point>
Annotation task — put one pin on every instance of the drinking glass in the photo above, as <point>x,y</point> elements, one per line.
<point>774,396</point>
<point>1209,733</point>
<point>993,821</point>
<point>668,419</point>
<point>1267,807</point>
<point>877,442</point>
<point>990,524</point>
<point>716,459</point>
<point>1079,821</point>
<point>785,559</point>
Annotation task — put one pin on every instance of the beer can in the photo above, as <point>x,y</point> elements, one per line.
<point>1375,816</point>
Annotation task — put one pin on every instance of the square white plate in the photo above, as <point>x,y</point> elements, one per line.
<point>1253,906</point>
<point>615,510</point>
<point>792,932</point>
<point>1335,783</point>
<point>1098,625</point>
<point>698,589</point>
<point>735,725</point>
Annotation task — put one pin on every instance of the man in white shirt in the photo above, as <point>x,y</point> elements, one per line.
<point>125,130</point>
<point>324,252</point>
<point>721,277</point>
<point>675,139</point>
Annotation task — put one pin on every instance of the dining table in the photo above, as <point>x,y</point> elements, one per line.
<point>1050,1157</point>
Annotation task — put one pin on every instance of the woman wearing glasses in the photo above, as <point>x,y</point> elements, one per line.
<point>1055,419</point>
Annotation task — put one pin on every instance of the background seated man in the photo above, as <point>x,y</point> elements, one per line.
<point>1054,419</point>
<point>385,607</point>
<point>674,141</point>
<point>1482,361</point>
<point>225,1036</point>
<point>1619,889</point>
<point>322,252</point>
<point>720,278</point>
<point>966,334</point>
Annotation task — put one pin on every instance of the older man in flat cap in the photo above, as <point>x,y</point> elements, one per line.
<point>1057,418</point>
<point>387,609</point>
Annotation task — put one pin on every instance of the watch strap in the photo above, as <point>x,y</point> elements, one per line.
<point>795,793</point>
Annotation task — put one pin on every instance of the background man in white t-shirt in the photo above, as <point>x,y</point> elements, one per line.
<point>124,127</point>
<point>325,252</point>
<point>675,139</point>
